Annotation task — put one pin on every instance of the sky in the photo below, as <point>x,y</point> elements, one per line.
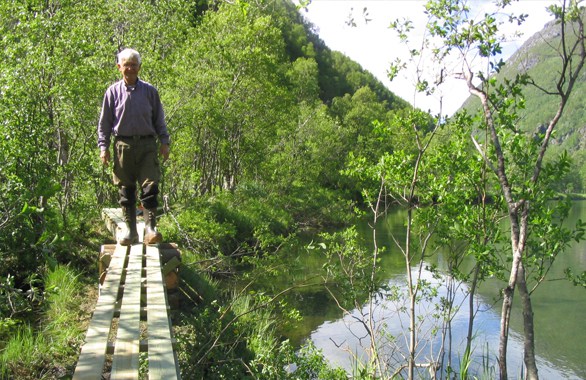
<point>374,45</point>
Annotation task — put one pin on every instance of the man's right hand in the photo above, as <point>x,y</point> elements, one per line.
<point>105,157</point>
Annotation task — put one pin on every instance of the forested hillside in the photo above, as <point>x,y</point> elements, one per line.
<point>251,95</point>
<point>539,59</point>
<point>274,137</point>
<point>262,117</point>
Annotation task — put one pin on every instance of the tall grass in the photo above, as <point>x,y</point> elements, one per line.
<point>23,350</point>
<point>62,296</point>
<point>258,322</point>
<point>47,350</point>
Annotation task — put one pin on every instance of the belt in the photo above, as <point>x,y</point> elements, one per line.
<point>136,137</point>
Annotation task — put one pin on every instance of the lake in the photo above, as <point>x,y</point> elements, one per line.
<point>560,310</point>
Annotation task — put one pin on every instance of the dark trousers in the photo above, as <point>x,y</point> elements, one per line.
<point>136,161</point>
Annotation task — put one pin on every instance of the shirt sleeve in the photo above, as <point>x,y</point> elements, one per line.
<point>106,122</point>
<point>159,120</point>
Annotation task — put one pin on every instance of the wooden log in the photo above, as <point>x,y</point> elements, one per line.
<point>171,259</point>
<point>168,246</point>
<point>174,300</point>
<point>171,281</point>
<point>169,254</point>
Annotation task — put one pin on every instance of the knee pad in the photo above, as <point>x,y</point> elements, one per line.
<point>126,196</point>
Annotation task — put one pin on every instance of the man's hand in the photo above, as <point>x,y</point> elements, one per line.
<point>164,151</point>
<point>105,157</point>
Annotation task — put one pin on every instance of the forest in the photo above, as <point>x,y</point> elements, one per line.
<point>274,135</point>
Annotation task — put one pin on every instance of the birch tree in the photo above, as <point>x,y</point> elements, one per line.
<point>517,158</point>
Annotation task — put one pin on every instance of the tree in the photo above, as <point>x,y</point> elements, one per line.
<point>515,158</point>
<point>231,100</point>
<point>46,104</point>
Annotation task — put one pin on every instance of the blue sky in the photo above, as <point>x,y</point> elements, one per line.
<point>374,46</point>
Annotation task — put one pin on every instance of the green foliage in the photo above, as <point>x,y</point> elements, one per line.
<point>256,152</point>
<point>230,80</point>
<point>62,294</point>
<point>16,304</point>
<point>23,354</point>
<point>237,98</point>
<point>252,220</point>
<point>311,365</point>
<point>246,221</point>
<point>30,353</point>
<point>536,61</point>
<point>196,325</point>
<point>576,279</point>
<point>514,154</point>
<point>303,77</point>
<point>233,336</point>
<point>348,266</point>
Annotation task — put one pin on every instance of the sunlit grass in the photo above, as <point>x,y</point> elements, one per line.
<point>22,350</point>
<point>62,288</point>
<point>49,346</point>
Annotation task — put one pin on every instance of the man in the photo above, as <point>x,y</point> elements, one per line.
<point>132,112</point>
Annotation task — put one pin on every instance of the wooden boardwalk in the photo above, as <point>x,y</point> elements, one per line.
<point>129,335</point>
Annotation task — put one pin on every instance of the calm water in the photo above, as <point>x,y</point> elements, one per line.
<point>560,311</point>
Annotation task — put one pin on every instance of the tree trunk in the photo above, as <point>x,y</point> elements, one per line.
<point>412,301</point>
<point>471,313</point>
<point>529,340</point>
<point>504,334</point>
<point>508,293</point>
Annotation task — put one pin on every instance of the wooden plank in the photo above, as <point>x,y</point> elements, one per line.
<point>143,313</point>
<point>160,346</point>
<point>113,219</point>
<point>125,363</point>
<point>171,265</point>
<point>144,346</point>
<point>106,253</point>
<point>93,353</point>
<point>116,225</point>
<point>162,360</point>
<point>113,215</point>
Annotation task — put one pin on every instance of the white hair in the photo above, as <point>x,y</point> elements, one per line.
<point>127,53</point>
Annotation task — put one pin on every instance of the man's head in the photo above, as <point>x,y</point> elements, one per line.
<point>129,65</point>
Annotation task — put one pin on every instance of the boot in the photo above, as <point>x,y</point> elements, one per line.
<point>151,235</point>
<point>131,236</point>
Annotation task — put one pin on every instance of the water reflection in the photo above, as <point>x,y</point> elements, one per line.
<point>559,314</point>
<point>343,339</point>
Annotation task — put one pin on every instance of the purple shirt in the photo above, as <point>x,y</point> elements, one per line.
<point>131,111</point>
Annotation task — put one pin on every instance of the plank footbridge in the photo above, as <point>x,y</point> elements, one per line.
<point>129,335</point>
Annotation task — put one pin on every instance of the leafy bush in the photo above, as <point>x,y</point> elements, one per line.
<point>233,336</point>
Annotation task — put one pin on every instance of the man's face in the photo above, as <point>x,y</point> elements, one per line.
<point>129,69</point>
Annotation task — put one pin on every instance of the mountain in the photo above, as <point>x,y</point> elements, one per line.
<point>539,58</point>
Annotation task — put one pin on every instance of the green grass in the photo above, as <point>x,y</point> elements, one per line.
<point>22,351</point>
<point>48,349</point>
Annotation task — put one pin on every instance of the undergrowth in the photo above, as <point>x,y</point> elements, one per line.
<point>47,350</point>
